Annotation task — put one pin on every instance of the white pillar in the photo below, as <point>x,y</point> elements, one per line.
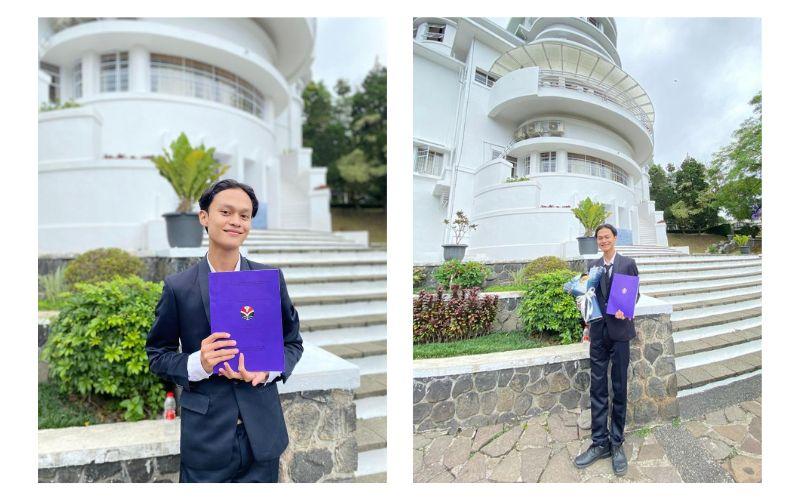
<point>44,87</point>
<point>90,74</point>
<point>561,161</point>
<point>138,69</point>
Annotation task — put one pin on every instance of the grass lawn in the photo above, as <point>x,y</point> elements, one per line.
<point>697,243</point>
<point>494,342</point>
<point>57,410</point>
<point>362,219</point>
<point>504,288</point>
<point>51,305</point>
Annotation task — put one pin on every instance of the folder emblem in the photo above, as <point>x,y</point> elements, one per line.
<point>247,313</point>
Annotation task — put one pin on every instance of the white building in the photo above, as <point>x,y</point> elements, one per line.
<point>544,103</point>
<point>233,84</point>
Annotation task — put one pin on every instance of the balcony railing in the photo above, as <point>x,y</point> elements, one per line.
<point>592,86</point>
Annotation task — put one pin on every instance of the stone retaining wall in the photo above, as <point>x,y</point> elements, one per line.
<point>475,391</point>
<point>322,446</point>
<point>156,268</point>
<point>502,272</point>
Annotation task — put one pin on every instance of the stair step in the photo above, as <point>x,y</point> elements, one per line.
<point>715,319</point>
<point>334,273</point>
<point>655,269</point>
<point>372,385</point>
<point>716,285</point>
<point>327,293</point>
<point>714,330</point>
<point>328,316</point>
<point>699,376</point>
<point>345,336</point>
<point>713,310</point>
<point>371,407</point>
<point>357,350</point>
<point>691,276</point>
<point>317,258</point>
<point>717,355</point>
<point>371,434</point>
<point>690,301</point>
<point>371,466</point>
<point>370,365</point>
<point>690,347</point>
<point>696,259</point>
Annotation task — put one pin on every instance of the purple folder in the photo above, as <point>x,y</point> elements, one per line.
<point>623,293</point>
<point>247,304</point>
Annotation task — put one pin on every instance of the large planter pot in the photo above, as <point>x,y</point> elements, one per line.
<point>744,249</point>
<point>183,229</point>
<point>454,252</point>
<point>587,245</point>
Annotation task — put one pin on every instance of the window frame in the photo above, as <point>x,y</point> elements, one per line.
<point>433,159</point>
<point>433,36</point>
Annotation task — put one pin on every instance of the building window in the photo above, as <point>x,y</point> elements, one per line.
<point>187,77</point>
<point>547,162</point>
<point>484,78</point>
<point>525,166</point>
<point>428,162</point>
<point>595,22</point>
<point>114,72</point>
<point>513,161</point>
<point>54,87</point>
<point>435,32</point>
<point>77,80</point>
<point>589,165</point>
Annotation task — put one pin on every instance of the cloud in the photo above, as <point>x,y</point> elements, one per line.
<point>346,47</point>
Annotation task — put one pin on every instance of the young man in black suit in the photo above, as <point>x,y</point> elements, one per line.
<point>232,426</point>
<point>609,343</point>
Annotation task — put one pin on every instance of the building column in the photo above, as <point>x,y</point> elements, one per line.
<point>90,74</point>
<point>561,161</point>
<point>138,69</point>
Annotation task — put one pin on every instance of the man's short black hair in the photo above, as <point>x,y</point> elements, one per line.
<point>210,193</point>
<point>605,226</point>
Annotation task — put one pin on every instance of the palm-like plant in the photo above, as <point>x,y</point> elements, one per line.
<point>189,170</point>
<point>590,214</point>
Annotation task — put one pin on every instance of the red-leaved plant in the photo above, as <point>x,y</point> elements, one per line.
<point>462,315</point>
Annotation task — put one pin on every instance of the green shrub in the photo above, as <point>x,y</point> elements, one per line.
<point>464,274</point>
<point>463,315</point>
<point>96,345</point>
<point>542,265</point>
<point>102,264</point>
<point>741,239</point>
<point>548,310</point>
<point>419,276</point>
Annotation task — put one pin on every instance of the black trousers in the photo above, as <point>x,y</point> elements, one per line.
<point>603,351</point>
<point>241,469</point>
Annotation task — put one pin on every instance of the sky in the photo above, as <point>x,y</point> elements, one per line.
<point>700,74</point>
<point>346,48</point>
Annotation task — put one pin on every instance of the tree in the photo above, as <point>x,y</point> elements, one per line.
<point>737,168</point>
<point>698,209</point>
<point>369,128</point>
<point>662,188</point>
<point>359,174</point>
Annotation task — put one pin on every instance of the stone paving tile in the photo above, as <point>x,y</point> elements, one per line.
<point>542,449</point>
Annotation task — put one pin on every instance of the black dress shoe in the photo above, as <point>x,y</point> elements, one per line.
<point>618,460</point>
<point>591,455</point>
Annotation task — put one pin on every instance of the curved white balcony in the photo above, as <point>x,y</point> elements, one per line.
<point>607,39</point>
<point>68,45</point>
<point>559,77</point>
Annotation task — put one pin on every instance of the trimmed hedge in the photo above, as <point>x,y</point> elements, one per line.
<point>102,264</point>
<point>464,274</point>
<point>542,265</point>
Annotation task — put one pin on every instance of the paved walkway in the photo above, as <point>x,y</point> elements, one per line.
<point>723,445</point>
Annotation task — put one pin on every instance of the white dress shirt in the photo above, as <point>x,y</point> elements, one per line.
<point>195,366</point>
<point>610,262</point>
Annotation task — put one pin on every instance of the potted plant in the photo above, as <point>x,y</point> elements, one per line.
<point>742,240</point>
<point>590,214</point>
<point>460,225</point>
<point>190,171</point>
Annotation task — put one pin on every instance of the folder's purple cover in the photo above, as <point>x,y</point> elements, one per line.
<point>623,293</point>
<point>247,304</point>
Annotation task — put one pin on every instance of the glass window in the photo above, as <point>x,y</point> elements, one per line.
<point>525,166</point>
<point>547,162</point>
<point>589,165</point>
<point>428,162</point>
<point>77,80</point>
<point>435,32</point>
<point>187,77</point>
<point>484,78</point>
<point>513,162</point>
<point>114,72</point>
<point>54,88</point>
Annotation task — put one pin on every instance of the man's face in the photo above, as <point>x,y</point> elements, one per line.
<point>606,239</point>
<point>228,218</point>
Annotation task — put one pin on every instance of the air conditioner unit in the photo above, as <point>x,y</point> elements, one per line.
<point>555,127</point>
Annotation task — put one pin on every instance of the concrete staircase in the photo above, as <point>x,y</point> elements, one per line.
<point>716,319</point>
<point>339,290</point>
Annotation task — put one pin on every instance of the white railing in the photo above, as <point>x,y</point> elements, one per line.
<point>593,86</point>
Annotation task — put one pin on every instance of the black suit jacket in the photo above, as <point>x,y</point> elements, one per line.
<point>618,329</point>
<point>210,407</point>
